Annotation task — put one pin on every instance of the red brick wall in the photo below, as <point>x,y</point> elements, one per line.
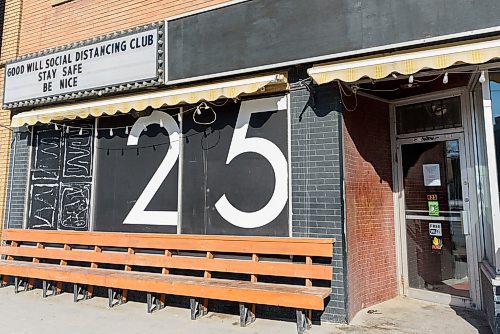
<point>45,26</point>
<point>371,251</point>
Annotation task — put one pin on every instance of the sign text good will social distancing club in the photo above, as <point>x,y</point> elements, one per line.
<point>127,59</point>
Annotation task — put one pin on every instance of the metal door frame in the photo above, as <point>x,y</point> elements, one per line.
<point>464,135</point>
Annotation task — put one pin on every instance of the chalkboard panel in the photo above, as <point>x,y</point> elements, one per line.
<point>43,209</point>
<point>128,175</point>
<point>226,160</point>
<point>61,177</point>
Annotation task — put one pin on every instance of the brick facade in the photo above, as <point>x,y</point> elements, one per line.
<point>371,251</point>
<point>316,171</point>
<point>82,19</point>
<point>10,13</point>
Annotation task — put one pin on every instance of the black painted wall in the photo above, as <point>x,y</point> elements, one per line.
<point>316,161</point>
<point>262,32</point>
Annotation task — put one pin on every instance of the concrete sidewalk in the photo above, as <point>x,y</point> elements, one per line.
<point>28,312</point>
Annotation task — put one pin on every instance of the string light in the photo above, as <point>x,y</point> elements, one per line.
<point>67,129</point>
<point>482,78</point>
<point>161,123</point>
<point>110,132</point>
<point>56,127</point>
<point>126,130</point>
<point>80,132</point>
<point>445,78</point>
<point>410,79</point>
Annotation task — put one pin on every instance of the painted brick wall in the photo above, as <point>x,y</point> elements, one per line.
<point>10,14</point>
<point>371,250</point>
<point>316,171</point>
<point>45,26</point>
<point>17,187</point>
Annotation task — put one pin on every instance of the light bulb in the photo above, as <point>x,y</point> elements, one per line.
<point>80,132</point>
<point>445,78</point>
<point>198,110</point>
<point>410,79</point>
<point>56,127</point>
<point>161,123</point>
<point>145,128</point>
<point>67,129</point>
<point>394,75</point>
<point>110,132</point>
<point>126,130</point>
<point>482,78</point>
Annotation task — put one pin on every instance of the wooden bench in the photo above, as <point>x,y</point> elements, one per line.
<point>182,265</point>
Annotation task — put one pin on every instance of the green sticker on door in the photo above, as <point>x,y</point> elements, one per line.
<point>433,208</point>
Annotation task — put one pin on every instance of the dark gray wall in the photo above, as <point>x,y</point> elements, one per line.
<point>317,206</point>
<point>263,32</point>
<point>18,177</point>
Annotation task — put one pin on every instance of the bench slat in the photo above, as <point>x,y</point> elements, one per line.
<point>247,292</point>
<point>323,272</point>
<point>258,245</point>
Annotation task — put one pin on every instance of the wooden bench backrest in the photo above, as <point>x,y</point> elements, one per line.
<point>136,249</point>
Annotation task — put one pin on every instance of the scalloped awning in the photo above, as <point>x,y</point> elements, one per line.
<point>157,99</point>
<point>407,63</point>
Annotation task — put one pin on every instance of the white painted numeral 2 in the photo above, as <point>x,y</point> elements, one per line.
<point>138,215</point>
<point>239,145</point>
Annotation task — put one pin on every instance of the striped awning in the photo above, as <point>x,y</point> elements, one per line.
<point>157,99</point>
<point>407,63</point>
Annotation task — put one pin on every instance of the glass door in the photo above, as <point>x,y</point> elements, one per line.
<point>435,213</point>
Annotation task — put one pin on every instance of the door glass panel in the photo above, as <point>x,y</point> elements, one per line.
<point>429,116</point>
<point>436,250</point>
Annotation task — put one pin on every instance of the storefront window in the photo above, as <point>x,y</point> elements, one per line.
<point>495,105</point>
<point>483,189</point>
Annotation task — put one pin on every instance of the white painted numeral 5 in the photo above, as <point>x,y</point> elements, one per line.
<point>239,145</point>
<point>138,215</point>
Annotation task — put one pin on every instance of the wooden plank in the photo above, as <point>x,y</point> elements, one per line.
<point>253,279</point>
<point>309,263</point>
<point>246,292</point>
<point>5,278</point>
<point>63,262</point>
<point>94,265</point>
<point>165,271</point>
<point>127,268</point>
<point>207,274</point>
<point>283,269</point>
<point>261,245</point>
<point>31,281</point>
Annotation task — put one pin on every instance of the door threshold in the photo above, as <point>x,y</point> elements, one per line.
<point>441,298</point>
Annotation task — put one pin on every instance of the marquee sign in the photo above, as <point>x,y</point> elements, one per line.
<point>117,62</point>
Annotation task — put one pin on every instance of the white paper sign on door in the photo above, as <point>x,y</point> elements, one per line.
<point>432,175</point>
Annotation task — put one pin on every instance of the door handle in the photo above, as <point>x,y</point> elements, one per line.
<point>465,222</point>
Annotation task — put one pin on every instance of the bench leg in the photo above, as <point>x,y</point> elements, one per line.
<point>114,294</point>
<point>80,290</point>
<point>197,309</point>
<point>303,321</point>
<point>4,281</point>
<point>154,302</point>
<point>247,315</point>
<point>46,286</point>
<point>18,281</point>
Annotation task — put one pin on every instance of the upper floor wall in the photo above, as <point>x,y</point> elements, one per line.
<point>50,23</point>
<point>255,35</point>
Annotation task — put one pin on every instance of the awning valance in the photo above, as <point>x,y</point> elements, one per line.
<point>407,63</point>
<point>157,99</point>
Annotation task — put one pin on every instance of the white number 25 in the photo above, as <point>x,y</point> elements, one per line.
<point>239,145</point>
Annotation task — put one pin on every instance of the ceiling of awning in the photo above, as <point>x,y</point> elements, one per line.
<point>407,63</point>
<point>156,99</point>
